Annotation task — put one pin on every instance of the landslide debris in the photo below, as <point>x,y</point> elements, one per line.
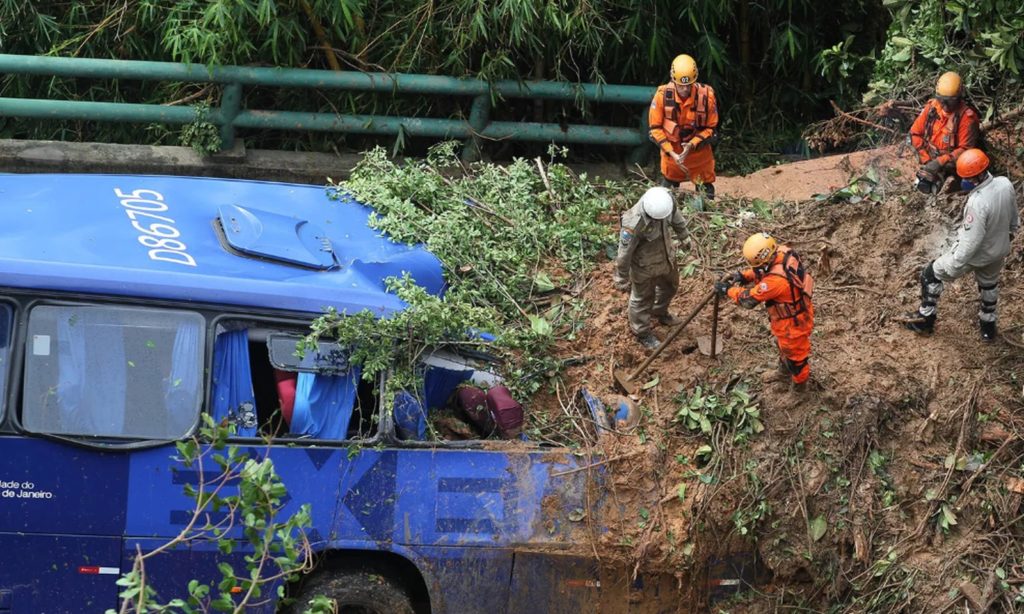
<point>893,485</point>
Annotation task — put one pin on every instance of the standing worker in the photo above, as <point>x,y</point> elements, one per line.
<point>983,242</point>
<point>778,279</point>
<point>945,129</point>
<point>646,263</point>
<point>683,121</point>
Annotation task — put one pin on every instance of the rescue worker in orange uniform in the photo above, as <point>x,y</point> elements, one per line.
<point>683,121</point>
<point>947,127</point>
<point>778,279</point>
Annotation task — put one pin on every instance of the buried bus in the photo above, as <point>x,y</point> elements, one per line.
<point>134,304</point>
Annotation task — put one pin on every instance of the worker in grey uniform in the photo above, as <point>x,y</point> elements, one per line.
<point>646,263</point>
<point>989,224</point>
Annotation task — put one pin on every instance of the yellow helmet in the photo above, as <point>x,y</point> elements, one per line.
<point>759,249</point>
<point>684,70</point>
<point>949,85</point>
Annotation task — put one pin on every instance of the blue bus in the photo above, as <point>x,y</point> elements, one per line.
<point>133,304</point>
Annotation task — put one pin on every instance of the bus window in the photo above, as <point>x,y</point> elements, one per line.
<point>6,317</point>
<point>109,371</point>
<point>434,413</point>
<point>266,391</point>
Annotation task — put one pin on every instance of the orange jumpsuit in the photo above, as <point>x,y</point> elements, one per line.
<point>673,122</point>
<point>942,135</point>
<point>786,291</point>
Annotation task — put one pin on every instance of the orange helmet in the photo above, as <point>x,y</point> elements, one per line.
<point>949,85</point>
<point>759,249</point>
<point>684,70</point>
<point>971,163</point>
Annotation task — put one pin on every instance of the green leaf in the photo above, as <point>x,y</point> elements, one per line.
<point>681,491</point>
<point>948,516</point>
<point>540,326</point>
<point>652,383</point>
<point>542,282</point>
<point>817,528</point>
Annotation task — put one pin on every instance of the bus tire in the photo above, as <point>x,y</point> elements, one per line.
<point>370,592</point>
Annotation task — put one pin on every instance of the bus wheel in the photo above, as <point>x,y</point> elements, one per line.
<point>356,592</point>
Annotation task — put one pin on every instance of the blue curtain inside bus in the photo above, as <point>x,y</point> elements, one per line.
<point>439,384</point>
<point>182,387</point>
<point>323,404</point>
<point>233,397</point>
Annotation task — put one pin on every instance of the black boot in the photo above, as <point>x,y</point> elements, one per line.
<point>709,191</point>
<point>667,319</point>
<point>988,331</point>
<point>921,324</point>
<point>648,340</point>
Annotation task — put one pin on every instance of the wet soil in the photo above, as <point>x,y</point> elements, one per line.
<point>861,467</point>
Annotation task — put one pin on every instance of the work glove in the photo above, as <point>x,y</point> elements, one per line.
<point>680,157</point>
<point>928,178</point>
<point>736,277</point>
<point>722,288</point>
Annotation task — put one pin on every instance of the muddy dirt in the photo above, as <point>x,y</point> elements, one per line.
<point>850,494</point>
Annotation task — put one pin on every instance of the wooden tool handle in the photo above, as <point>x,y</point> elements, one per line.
<point>673,334</point>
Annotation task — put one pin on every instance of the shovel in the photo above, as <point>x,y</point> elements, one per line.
<point>625,379</point>
<point>711,346</point>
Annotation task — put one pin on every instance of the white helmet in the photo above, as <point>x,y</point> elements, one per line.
<point>657,203</point>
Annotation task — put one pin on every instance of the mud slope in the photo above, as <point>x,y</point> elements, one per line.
<point>849,493</point>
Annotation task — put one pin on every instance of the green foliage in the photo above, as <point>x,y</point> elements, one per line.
<point>201,135</point>
<point>863,188</point>
<point>513,249</point>
<point>247,493</point>
<point>981,39</point>
<point>701,409</point>
<point>760,56</point>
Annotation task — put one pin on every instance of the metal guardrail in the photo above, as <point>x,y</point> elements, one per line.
<point>231,116</point>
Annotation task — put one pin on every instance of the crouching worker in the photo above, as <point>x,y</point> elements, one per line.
<point>646,262</point>
<point>778,279</point>
<point>946,128</point>
<point>990,221</point>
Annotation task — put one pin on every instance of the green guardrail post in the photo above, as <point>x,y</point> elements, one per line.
<point>479,117</point>
<point>641,154</point>
<point>230,105</point>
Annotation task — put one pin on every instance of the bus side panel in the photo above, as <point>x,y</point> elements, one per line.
<point>47,487</point>
<point>59,573</point>
<point>467,580</point>
<point>466,498</point>
<point>61,518</point>
<point>554,583</point>
<point>168,572</point>
<point>159,507</point>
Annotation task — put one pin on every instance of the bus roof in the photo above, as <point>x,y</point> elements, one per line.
<point>247,243</point>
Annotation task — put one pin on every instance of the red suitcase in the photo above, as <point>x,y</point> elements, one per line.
<point>506,411</point>
<point>473,402</point>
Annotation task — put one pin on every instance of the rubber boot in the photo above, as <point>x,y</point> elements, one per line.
<point>667,319</point>
<point>987,330</point>
<point>648,340</point>
<point>923,325</point>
